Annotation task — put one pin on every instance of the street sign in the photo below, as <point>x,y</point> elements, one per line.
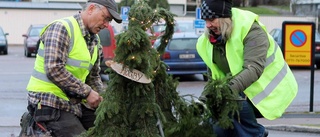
<point>124,12</point>
<point>199,31</point>
<point>199,23</point>
<point>124,18</point>
<point>198,13</point>
<point>298,42</point>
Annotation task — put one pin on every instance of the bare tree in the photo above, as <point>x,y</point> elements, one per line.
<point>237,3</point>
<point>256,3</point>
<point>293,6</point>
<point>278,2</point>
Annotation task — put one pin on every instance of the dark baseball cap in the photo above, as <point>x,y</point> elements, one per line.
<point>111,6</point>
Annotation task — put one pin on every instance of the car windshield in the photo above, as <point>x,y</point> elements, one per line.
<point>183,44</point>
<point>35,31</point>
<point>181,26</point>
<point>186,27</point>
<point>115,31</point>
<point>159,27</point>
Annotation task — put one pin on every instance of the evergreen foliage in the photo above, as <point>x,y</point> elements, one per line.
<point>222,102</point>
<point>152,3</point>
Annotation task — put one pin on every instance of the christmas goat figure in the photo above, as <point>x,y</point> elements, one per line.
<point>129,107</point>
<point>141,98</point>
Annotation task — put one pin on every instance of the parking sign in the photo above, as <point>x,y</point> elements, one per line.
<point>124,12</point>
<point>199,23</point>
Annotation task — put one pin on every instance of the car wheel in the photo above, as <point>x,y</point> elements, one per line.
<point>26,53</point>
<point>317,65</point>
<point>5,52</point>
<point>205,78</point>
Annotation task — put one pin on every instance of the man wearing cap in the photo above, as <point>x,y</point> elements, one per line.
<point>235,42</point>
<point>65,84</point>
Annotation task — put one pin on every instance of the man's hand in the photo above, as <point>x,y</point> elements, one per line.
<point>94,99</point>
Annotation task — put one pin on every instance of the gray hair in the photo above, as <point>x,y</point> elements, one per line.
<point>225,28</point>
<point>85,6</point>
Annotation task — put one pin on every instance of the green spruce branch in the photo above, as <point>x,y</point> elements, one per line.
<point>222,102</point>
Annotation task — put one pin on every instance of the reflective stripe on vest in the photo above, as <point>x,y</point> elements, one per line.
<point>277,79</point>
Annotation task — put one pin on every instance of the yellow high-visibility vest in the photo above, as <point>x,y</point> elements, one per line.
<point>79,61</point>
<point>273,92</point>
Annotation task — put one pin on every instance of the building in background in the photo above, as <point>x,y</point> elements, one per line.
<point>16,17</point>
<point>306,8</point>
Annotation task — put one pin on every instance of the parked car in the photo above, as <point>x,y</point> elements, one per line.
<point>3,42</point>
<point>180,26</point>
<point>108,44</point>
<point>31,39</point>
<point>181,55</point>
<point>277,35</point>
<point>185,26</point>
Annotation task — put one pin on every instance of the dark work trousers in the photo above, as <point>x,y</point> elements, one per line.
<point>65,124</point>
<point>246,127</point>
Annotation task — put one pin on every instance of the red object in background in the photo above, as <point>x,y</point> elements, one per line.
<point>108,43</point>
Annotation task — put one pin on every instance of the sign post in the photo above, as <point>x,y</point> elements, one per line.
<point>199,24</point>
<point>298,42</point>
<point>124,15</point>
<point>198,13</point>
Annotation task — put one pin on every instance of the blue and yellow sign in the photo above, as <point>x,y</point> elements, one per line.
<point>298,41</point>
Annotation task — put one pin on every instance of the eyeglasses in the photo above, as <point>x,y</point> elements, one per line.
<point>106,17</point>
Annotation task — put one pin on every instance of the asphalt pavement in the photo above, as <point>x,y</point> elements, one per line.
<point>293,122</point>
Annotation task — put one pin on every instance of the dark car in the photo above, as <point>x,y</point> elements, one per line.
<point>31,39</point>
<point>181,55</point>
<point>108,44</point>
<point>277,36</point>
<point>3,42</point>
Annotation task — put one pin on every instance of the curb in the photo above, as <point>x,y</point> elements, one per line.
<point>293,128</point>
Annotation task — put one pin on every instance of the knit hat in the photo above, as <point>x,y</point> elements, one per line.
<point>112,8</point>
<point>216,9</point>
